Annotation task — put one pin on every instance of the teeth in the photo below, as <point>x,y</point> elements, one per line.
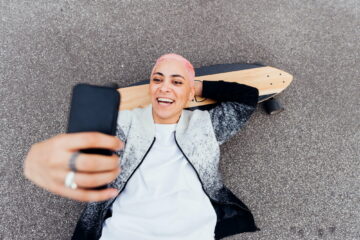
<point>165,100</point>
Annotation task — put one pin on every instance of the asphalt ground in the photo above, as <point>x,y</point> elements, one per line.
<point>298,171</point>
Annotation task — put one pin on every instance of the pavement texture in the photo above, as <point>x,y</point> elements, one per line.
<point>298,171</point>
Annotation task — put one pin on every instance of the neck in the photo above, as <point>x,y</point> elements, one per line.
<point>171,120</point>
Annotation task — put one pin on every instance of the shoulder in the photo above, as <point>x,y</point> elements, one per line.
<point>124,116</point>
<point>127,115</point>
<point>196,114</point>
<point>198,119</point>
<point>125,120</point>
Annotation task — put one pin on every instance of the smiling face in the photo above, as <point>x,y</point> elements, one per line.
<point>170,81</point>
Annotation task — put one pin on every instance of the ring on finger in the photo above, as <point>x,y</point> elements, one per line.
<point>72,161</point>
<point>69,180</point>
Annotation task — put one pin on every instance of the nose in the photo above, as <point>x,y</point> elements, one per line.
<point>164,86</point>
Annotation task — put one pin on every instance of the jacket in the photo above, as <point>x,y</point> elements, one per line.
<point>198,134</point>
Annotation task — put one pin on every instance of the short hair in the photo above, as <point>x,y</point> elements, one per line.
<point>189,67</point>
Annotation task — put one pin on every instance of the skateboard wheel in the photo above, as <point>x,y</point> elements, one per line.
<point>272,106</point>
<point>112,85</point>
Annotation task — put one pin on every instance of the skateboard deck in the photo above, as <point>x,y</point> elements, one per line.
<point>269,81</point>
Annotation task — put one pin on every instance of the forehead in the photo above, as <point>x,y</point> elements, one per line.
<point>171,66</point>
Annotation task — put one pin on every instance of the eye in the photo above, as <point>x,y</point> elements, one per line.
<point>156,80</point>
<point>178,82</point>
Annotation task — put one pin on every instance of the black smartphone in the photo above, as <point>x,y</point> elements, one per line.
<point>94,108</point>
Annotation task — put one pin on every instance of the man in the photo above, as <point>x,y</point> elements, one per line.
<point>170,185</point>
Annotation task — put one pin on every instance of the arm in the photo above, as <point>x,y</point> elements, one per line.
<point>236,103</point>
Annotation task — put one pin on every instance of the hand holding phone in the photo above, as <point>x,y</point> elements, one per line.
<point>94,108</point>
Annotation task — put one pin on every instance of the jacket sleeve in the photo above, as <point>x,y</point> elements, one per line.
<point>235,104</point>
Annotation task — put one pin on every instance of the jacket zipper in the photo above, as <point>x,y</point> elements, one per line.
<point>134,170</point>
<point>202,185</point>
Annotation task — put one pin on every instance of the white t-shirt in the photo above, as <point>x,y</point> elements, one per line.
<point>163,199</point>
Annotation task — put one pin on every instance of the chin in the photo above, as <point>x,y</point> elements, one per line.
<point>164,114</point>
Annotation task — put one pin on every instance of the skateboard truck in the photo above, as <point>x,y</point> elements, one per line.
<point>272,106</point>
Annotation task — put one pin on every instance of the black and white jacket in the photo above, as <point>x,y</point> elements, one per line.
<point>198,134</point>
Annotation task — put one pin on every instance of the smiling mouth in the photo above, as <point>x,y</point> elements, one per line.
<point>165,101</point>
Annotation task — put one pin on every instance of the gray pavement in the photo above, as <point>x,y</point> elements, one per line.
<point>298,171</point>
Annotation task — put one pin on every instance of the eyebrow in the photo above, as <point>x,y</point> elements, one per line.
<point>174,75</point>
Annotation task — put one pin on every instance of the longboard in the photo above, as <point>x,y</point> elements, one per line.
<point>269,81</point>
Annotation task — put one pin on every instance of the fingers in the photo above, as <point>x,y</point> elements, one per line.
<point>90,180</point>
<point>83,140</point>
<point>95,162</point>
<point>85,195</point>
<point>46,165</point>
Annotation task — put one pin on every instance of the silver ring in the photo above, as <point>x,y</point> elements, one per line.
<point>72,161</point>
<point>69,180</point>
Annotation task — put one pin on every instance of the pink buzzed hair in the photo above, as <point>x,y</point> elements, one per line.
<point>189,67</point>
